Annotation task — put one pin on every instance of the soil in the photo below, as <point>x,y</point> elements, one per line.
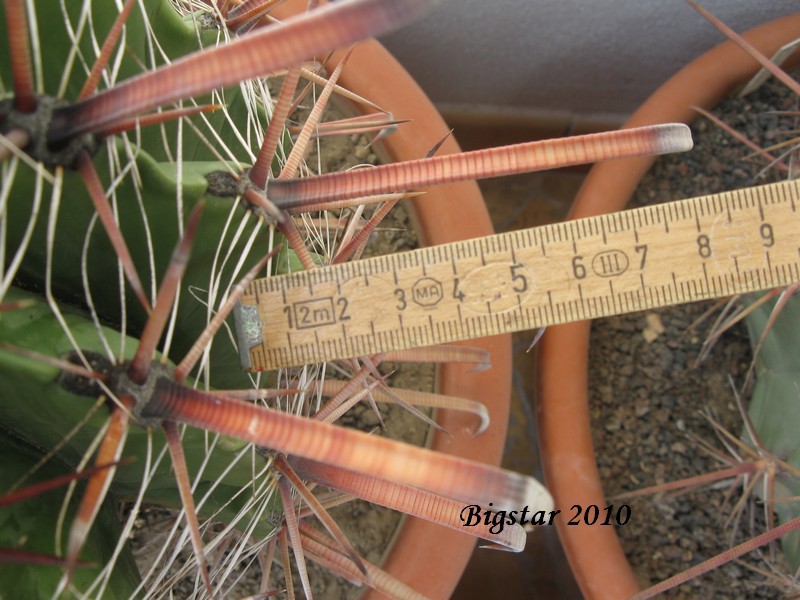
<point>370,528</point>
<point>648,412</point>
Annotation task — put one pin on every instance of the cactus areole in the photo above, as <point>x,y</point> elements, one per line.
<point>37,125</point>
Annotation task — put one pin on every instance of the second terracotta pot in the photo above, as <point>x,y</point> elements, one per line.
<point>562,403</point>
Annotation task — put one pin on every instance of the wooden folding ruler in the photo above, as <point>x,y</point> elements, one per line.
<point>705,247</point>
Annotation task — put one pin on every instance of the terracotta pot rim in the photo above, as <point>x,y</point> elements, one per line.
<point>428,557</point>
<point>571,474</point>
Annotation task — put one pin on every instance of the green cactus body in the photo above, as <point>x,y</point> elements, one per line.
<point>158,184</point>
<point>154,186</point>
<point>32,525</point>
<point>38,409</point>
<point>775,407</point>
<point>148,198</point>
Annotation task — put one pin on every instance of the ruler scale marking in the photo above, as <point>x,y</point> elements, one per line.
<point>654,256</point>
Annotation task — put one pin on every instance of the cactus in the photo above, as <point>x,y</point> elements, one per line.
<point>79,373</point>
<point>765,461</point>
<point>773,323</point>
<point>64,253</point>
<point>774,408</point>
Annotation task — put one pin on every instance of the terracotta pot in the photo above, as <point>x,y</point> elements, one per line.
<point>571,474</point>
<point>428,557</point>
